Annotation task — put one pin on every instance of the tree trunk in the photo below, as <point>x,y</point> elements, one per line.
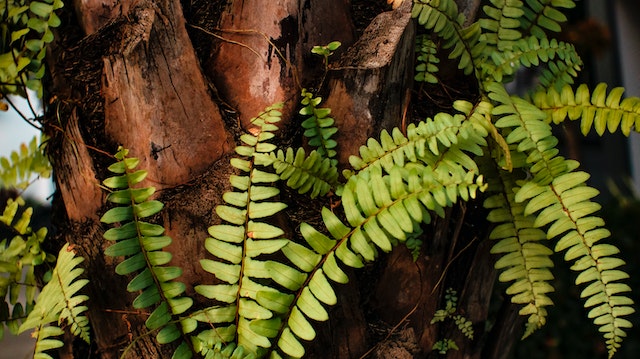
<point>176,83</point>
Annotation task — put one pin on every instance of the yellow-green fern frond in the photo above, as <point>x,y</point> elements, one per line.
<point>531,52</point>
<point>597,109</point>
<point>59,302</point>
<point>444,19</point>
<point>502,23</point>
<point>525,258</point>
<point>445,137</point>
<point>21,166</point>
<point>561,202</point>
<point>565,206</point>
<point>244,277</point>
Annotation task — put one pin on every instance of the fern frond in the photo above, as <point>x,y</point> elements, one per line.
<point>381,211</point>
<point>597,109</point>
<point>142,244</point>
<point>562,201</point>
<point>244,278</point>
<point>306,173</point>
<point>565,206</point>
<point>502,23</point>
<point>541,15</point>
<point>59,302</point>
<point>21,166</point>
<point>427,60</point>
<point>444,19</point>
<point>532,52</point>
<point>441,139</point>
<point>525,260</point>
<point>319,127</point>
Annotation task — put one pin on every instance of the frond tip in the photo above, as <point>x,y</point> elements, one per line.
<point>59,302</point>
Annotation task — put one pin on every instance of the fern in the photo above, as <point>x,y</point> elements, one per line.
<point>18,169</point>
<point>424,142</point>
<point>443,18</point>
<point>142,243</point>
<point>57,303</point>
<point>542,15</point>
<point>19,255</point>
<point>532,52</point>
<point>596,109</point>
<point>27,29</point>
<point>427,60</point>
<point>382,210</point>
<point>319,127</point>
<point>524,261</point>
<point>239,243</point>
<point>562,200</point>
<point>306,173</point>
<point>502,23</point>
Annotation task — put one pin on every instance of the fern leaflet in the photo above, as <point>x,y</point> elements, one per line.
<point>427,60</point>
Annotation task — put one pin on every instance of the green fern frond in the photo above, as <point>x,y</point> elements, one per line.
<point>142,244</point>
<point>319,127</point>
<point>21,166</point>
<point>444,19</point>
<point>562,201</point>
<point>525,260</point>
<point>542,15</point>
<point>427,60</point>
<point>441,139</point>
<point>381,211</point>
<point>502,23</point>
<point>306,173</point>
<point>597,109</point>
<point>59,302</point>
<point>531,52</point>
<point>244,277</point>
<point>565,206</point>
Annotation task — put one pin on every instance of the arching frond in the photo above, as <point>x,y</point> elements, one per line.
<point>524,257</point>
<point>561,200</point>
<point>429,142</point>
<point>597,109</point>
<point>59,302</point>
<point>444,19</point>
<point>531,52</point>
